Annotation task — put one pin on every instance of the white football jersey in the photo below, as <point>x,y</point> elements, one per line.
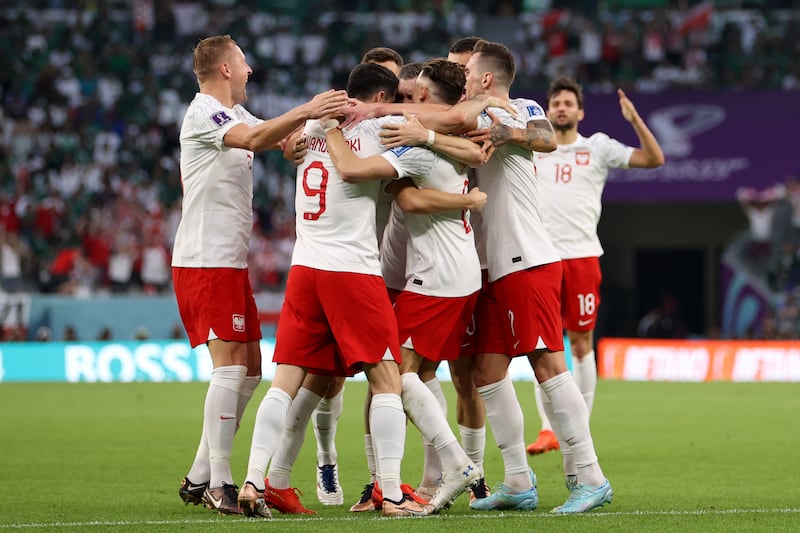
<point>335,220</point>
<point>572,181</point>
<point>441,259</point>
<point>217,212</point>
<point>516,238</point>
<point>393,249</point>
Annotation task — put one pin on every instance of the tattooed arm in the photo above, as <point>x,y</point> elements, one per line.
<point>538,136</point>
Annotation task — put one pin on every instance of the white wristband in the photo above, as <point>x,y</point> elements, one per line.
<point>329,124</point>
<point>431,138</point>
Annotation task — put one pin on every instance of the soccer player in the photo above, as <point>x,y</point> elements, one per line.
<point>572,179</point>
<point>470,411</point>
<point>408,81</point>
<point>386,57</point>
<point>461,50</point>
<point>209,265</point>
<point>524,274</point>
<point>336,317</point>
<point>442,271</point>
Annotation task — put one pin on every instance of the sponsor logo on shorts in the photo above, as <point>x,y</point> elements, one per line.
<point>238,322</point>
<point>586,322</point>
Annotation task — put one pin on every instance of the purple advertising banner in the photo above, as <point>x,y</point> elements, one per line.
<point>714,142</point>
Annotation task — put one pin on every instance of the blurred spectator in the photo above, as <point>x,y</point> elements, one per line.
<point>12,253</point>
<point>760,208</point>
<point>105,334</point>
<point>177,332</point>
<point>142,333</point>
<point>666,321</point>
<point>43,334</point>
<point>155,272</point>
<point>69,335</point>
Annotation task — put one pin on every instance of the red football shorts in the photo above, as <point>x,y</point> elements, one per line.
<point>485,332</point>
<point>218,299</point>
<point>529,303</point>
<point>332,322</point>
<point>580,293</point>
<point>435,325</point>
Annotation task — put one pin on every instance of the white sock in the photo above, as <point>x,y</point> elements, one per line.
<point>325,419</point>
<point>245,393</point>
<point>432,463</point>
<point>219,420</point>
<point>566,453</point>
<point>387,423</point>
<point>585,372</point>
<point>201,468</point>
<point>280,468</point>
<point>537,393</point>
<point>505,418</point>
<point>270,421</point>
<point>571,420</point>
<point>425,412</point>
<point>372,465</point>
<point>473,440</point>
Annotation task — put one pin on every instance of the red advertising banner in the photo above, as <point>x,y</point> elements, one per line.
<point>698,360</point>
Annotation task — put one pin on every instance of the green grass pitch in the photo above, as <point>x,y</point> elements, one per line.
<point>680,456</point>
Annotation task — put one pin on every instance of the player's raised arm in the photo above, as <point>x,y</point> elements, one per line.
<point>650,154</point>
<point>269,133</point>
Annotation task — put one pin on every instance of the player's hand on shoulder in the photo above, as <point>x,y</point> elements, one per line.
<point>295,149</point>
<point>355,111</point>
<point>408,133</point>
<point>494,101</point>
<point>330,102</point>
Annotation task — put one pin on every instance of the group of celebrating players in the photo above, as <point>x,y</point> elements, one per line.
<point>437,219</point>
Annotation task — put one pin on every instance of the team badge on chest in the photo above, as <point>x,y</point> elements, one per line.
<point>582,158</point>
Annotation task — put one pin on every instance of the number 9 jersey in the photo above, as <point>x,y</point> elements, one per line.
<point>335,220</point>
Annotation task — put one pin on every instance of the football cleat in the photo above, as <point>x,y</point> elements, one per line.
<point>585,498</point>
<point>407,490</point>
<point>571,482</point>
<point>364,503</point>
<point>454,483</point>
<point>504,499</point>
<point>406,507</point>
<point>479,490</point>
<point>251,502</point>
<point>286,501</point>
<point>329,492</point>
<point>427,490</point>
<point>224,499</point>
<point>545,442</point>
<point>191,493</point>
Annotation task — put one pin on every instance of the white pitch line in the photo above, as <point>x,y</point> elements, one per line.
<point>476,516</point>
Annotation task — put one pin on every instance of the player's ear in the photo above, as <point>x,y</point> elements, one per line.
<point>424,93</point>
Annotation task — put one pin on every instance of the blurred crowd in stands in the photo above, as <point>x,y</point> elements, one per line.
<point>771,249</point>
<point>92,98</point>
